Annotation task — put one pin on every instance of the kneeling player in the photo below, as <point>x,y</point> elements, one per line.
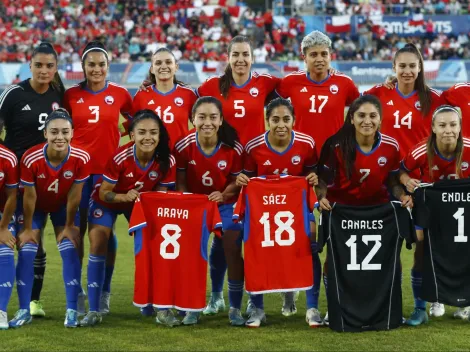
<point>440,157</point>
<point>52,174</point>
<point>142,165</point>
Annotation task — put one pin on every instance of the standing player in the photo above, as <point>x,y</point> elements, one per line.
<point>53,174</point>
<point>282,151</point>
<point>208,162</point>
<point>23,111</point>
<point>144,164</point>
<point>319,96</point>
<point>444,156</point>
<point>457,95</point>
<point>95,106</point>
<point>171,99</point>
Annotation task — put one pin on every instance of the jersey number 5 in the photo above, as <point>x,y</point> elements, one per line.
<point>282,226</point>
<point>95,110</point>
<point>239,108</point>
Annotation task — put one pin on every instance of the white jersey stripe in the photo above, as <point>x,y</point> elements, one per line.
<point>248,150</point>
<point>33,155</point>
<point>187,142</point>
<point>10,157</point>
<point>6,92</point>
<point>39,157</point>
<point>418,150</point>
<point>125,151</point>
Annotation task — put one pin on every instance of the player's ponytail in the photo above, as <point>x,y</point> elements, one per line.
<point>91,47</point>
<point>421,87</point>
<point>162,152</point>
<point>226,80</point>
<point>48,49</point>
<point>151,76</point>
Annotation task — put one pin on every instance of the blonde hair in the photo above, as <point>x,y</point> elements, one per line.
<point>314,38</point>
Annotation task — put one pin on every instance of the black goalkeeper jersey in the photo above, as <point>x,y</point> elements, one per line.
<point>23,112</point>
<point>364,245</point>
<point>443,210</point>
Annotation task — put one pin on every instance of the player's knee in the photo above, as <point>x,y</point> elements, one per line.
<point>98,240</point>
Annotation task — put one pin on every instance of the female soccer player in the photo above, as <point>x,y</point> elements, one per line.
<point>282,150</point>
<point>208,162</point>
<point>9,178</point>
<point>95,106</point>
<point>23,111</point>
<point>319,96</point>
<point>457,96</point>
<point>445,155</point>
<point>171,99</point>
<point>53,175</point>
<point>142,165</point>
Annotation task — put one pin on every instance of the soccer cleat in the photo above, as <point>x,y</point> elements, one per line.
<point>418,317</point>
<point>166,317</point>
<point>81,306</point>
<point>250,307</point>
<point>71,318</point>
<point>313,318</point>
<point>437,309</point>
<point>36,309</point>
<point>104,302</point>
<point>288,306</point>
<point>462,313</point>
<point>235,317</point>
<point>256,318</point>
<point>147,311</point>
<point>91,319</point>
<point>326,321</point>
<point>191,318</point>
<point>214,306</point>
<point>3,320</point>
<point>22,317</point>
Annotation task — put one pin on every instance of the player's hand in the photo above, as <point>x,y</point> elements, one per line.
<point>72,233</point>
<point>406,201</point>
<point>27,236</point>
<point>242,180</point>
<point>312,179</point>
<point>145,85</point>
<point>411,184</point>
<point>131,196</point>
<point>216,197</point>
<point>390,82</point>
<point>7,238</point>
<point>325,204</point>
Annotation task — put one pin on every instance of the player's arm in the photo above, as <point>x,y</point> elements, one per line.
<point>320,191</point>
<point>397,190</point>
<point>230,191</point>
<point>107,195</point>
<point>6,236</point>
<point>29,204</point>
<point>181,185</point>
<point>70,231</point>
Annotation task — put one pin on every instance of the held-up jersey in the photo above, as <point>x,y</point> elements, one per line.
<point>173,107</point>
<point>275,212</point>
<point>319,106</point>
<point>364,284</point>
<point>125,172</point>
<point>171,232</point>
<point>9,173</point>
<point>442,210</point>
<point>208,173</point>
<point>23,112</point>
<point>457,95</point>
<point>368,182</point>
<point>95,118</point>
<point>244,107</point>
<point>262,159</point>
<point>402,118</point>
<point>53,183</point>
<point>443,169</point>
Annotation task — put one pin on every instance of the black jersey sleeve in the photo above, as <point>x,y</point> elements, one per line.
<point>421,212</point>
<point>405,224</point>
<point>7,99</point>
<point>323,229</point>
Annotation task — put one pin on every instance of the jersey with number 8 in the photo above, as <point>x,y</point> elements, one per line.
<point>275,212</point>
<point>171,233</point>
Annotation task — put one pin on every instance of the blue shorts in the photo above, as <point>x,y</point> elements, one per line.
<point>226,212</point>
<point>11,225</point>
<point>88,186</point>
<point>58,219</point>
<point>100,215</point>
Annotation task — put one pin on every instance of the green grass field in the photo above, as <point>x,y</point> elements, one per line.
<point>125,329</point>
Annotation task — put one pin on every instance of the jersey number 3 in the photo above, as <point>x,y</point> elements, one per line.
<point>95,110</point>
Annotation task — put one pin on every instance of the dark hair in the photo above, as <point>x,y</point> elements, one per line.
<point>431,145</point>
<point>226,133</point>
<point>152,77</point>
<point>59,113</point>
<point>47,49</point>
<point>92,47</point>
<point>226,79</point>
<point>345,140</point>
<point>162,151</point>
<point>424,93</point>
<point>275,103</point>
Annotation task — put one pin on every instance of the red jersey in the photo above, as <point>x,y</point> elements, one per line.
<point>174,108</point>
<point>402,118</point>
<point>458,96</point>
<point>9,173</point>
<point>53,183</point>
<point>244,107</point>
<point>319,106</point>
<point>276,233</point>
<point>368,182</point>
<point>95,118</point>
<point>125,172</point>
<point>171,235</point>
<point>208,173</point>
<point>417,159</point>
<point>262,159</point>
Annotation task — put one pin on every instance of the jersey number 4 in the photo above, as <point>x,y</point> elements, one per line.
<point>282,226</point>
<point>365,265</point>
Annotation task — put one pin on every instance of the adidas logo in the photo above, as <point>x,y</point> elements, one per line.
<point>130,174</point>
<point>192,162</point>
<point>390,103</point>
<point>266,163</point>
<point>303,90</point>
<point>74,282</point>
<point>20,283</point>
<point>26,107</point>
<point>94,285</point>
<point>6,284</point>
<point>41,176</point>
<point>80,101</point>
<point>151,102</point>
<point>435,168</point>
